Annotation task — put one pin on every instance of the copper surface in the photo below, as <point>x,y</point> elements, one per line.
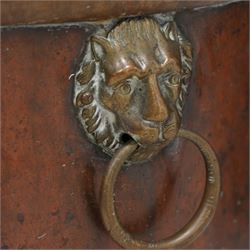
<point>51,174</point>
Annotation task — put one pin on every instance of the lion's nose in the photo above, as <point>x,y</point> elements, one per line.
<point>155,108</point>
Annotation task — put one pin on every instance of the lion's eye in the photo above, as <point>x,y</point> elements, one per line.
<point>125,89</point>
<point>174,79</point>
<point>169,78</point>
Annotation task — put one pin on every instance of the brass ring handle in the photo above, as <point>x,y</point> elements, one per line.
<point>192,229</point>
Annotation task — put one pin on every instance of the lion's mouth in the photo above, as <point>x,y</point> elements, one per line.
<point>125,138</point>
<point>142,154</point>
<point>167,132</point>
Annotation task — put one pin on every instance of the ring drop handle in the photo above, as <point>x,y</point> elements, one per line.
<point>192,229</point>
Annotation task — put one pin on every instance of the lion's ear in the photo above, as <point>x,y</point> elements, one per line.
<point>100,46</point>
<point>171,31</point>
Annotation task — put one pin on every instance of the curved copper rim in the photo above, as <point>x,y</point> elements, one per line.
<point>192,229</point>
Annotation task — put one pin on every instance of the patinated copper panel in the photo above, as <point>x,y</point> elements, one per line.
<point>51,174</point>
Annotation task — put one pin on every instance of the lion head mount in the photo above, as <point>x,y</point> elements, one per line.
<point>131,85</point>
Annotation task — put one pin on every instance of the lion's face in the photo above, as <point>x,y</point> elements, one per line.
<point>134,88</point>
